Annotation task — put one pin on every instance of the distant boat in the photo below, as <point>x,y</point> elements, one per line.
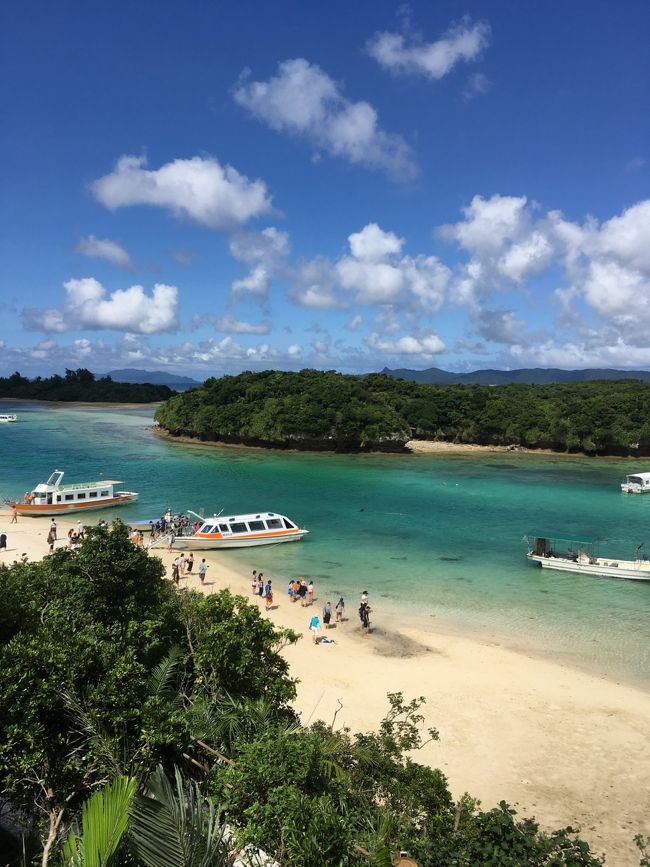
<point>53,498</point>
<point>236,531</point>
<point>637,483</point>
<point>573,555</point>
<point>6,418</point>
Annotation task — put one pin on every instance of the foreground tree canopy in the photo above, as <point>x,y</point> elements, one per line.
<point>316,410</point>
<point>81,385</point>
<point>140,725</point>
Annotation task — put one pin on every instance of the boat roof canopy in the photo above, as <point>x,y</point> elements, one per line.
<point>644,476</point>
<point>561,537</point>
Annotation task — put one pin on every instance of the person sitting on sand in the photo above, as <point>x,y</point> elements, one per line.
<point>314,626</point>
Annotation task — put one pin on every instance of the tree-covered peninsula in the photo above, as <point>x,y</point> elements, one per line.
<point>81,385</point>
<point>317,410</point>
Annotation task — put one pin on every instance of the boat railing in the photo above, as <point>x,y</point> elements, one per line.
<point>75,485</point>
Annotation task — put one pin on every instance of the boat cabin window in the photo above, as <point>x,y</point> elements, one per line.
<point>256,526</point>
<point>274,524</point>
<point>207,529</point>
<point>103,493</point>
<point>238,528</point>
<point>224,528</point>
<point>289,525</point>
<point>81,496</point>
<point>58,499</point>
<point>69,497</point>
<point>92,494</point>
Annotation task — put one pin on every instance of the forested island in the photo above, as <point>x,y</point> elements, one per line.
<point>145,727</point>
<point>315,410</point>
<point>81,385</point>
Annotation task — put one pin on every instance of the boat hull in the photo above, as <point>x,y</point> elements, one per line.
<point>628,569</point>
<point>194,543</point>
<point>29,510</point>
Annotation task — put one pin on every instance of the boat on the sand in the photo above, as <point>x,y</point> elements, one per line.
<point>231,531</point>
<point>53,498</point>
<point>574,555</point>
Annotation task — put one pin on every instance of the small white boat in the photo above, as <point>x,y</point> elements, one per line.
<point>572,555</point>
<point>236,531</point>
<point>6,418</point>
<point>53,498</point>
<point>636,483</point>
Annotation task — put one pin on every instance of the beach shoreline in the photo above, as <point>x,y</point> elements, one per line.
<point>557,743</point>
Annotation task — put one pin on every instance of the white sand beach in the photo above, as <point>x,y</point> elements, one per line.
<point>558,744</point>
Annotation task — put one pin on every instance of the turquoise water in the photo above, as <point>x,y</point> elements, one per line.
<point>438,537</point>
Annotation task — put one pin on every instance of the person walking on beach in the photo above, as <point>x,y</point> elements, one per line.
<point>296,590</point>
<point>172,536</point>
<point>14,515</point>
<point>53,528</point>
<point>189,563</point>
<point>364,617</point>
<point>314,628</point>
<point>3,541</point>
<point>51,538</point>
<point>310,593</point>
<point>290,590</point>
<point>268,594</point>
<point>254,582</point>
<point>327,614</point>
<point>260,585</point>
<point>175,574</point>
<point>302,592</point>
<point>340,610</point>
<point>203,568</point>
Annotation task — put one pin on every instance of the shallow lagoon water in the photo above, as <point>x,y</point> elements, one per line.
<point>437,537</point>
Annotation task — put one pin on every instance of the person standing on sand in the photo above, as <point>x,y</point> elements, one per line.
<point>14,515</point>
<point>203,568</point>
<point>296,590</point>
<point>364,617</point>
<point>254,582</point>
<point>189,563</point>
<point>53,528</point>
<point>327,614</point>
<point>3,541</point>
<point>268,594</point>
<point>340,610</point>
<point>260,585</point>
<point>310,593</point>
<point>302,592</point>
<point>314,627</point>
<point>290,590</point>
<point>172,536</point>
<point>175,574</point>
<point>51,538</point>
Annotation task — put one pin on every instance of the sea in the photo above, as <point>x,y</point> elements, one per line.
<point>437,540</point>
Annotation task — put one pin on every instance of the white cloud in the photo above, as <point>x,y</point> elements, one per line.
<point>265,253</point>
<point>303,100</point>
<point>500,326</point>
<point>230,325</point>
<point>425,345</point>
<point>373,273</point>
<point>98,248</point>
<point>476,85</point>
<point>354,323</point>
<point>88,305</point>
<point>409,56</point>
<point>199,188</point>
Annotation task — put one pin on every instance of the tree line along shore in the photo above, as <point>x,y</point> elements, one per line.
<point>140,725</point>
<point>80,386</point>
<point>329,411</point>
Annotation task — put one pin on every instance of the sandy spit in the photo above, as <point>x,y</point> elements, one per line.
<point>559,744</point>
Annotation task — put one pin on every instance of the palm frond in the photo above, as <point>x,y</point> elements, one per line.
<point>161,678</point>
<point>104,819</point>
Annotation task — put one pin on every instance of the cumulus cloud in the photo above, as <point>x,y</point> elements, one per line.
<point>408,55</point>
<point>88,305</point>
<point>230,325</point>
<point>199,188</point>
<point>373,273</point>
<point>104,248</point>
<point>303,100</point>
<point>425,345</point>
<point>476,85</point>
<point>265,253</point>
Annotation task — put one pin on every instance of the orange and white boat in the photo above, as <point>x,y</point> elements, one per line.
<point>240,531</point>
<point>53,498</point>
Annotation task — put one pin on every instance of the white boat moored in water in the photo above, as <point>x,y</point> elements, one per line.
<point>636,483</point>
<point>236,531</point>
<point>53,498</point>
<point>573,555</point>
<point>6,418</point>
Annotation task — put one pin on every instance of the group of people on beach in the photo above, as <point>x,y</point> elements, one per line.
<point>183,565</point>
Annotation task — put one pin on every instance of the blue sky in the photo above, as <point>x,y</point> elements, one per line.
<point>211,187</point>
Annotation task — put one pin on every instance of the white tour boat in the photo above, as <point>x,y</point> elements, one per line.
<point>235,531</point>
<point>53,498</point>
<point>572,555</point>
<point>636,483</point>
<point>6,418</point>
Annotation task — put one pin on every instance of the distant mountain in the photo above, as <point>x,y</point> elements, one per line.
<point>528,376</point>
<point>155,377</point>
